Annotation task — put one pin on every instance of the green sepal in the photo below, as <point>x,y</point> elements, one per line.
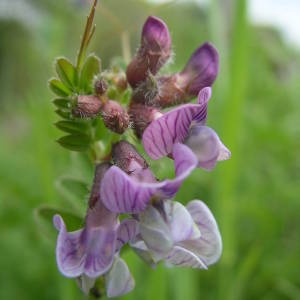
<point>75,142</point>
<point>45,214</point>
<point>90,69</point>
<point>62,103</point>
<point>57,87</point>
<point>65,114</point>
<point>72,127</point>
<point>66,72</point>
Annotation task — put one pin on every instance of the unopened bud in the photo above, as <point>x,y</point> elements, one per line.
<point>87,106</point>
<point>154,51</point>
<point>100,87</point>
<point>115,117</point>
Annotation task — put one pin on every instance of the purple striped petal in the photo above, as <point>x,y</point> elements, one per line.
<point>119,280</point>
<point>122,193</point>
<point>86,251</point>
<point>127,230</point>
<point>209,246</point>
<point>160,136</point>
<point>182,257</point>
<point>206,145</point>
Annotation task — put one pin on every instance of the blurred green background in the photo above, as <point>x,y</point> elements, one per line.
<point>255,109</point>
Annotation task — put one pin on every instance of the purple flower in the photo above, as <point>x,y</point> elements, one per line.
<point>186,124</point>
<point>154,51</point>
<point>92,251</point>
<point>186,237</point>
<point>201,70</point>
<point>131,192</point>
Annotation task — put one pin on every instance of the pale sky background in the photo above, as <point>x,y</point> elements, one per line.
<point>283,14</point>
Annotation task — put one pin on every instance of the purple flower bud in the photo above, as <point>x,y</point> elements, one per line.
<point>88,106</point>
<point>154,51</point>
<point>155,35</point>
<point>201,70</point>
<point>115,117</point>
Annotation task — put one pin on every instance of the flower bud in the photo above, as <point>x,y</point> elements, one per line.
<point>115,117</point>
<point>100,87</point>
<point>154,51</point>
<point>141,116</point>
<point>200,71</point>
<point>87,106</point>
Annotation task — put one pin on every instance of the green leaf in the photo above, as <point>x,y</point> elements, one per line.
<point>91,68</point>
<point>66,72</point>
<point>59,88</point>
<point>62,103</point>
<point>73,190</point>
<point>65,114</point>
<point>75,142</point>
<point>45,213</point>
<point>74,127</point>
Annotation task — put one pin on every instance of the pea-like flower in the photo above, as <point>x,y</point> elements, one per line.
<point>186,124</point>
<point>163,229</point>
<point>200,71</point>
<point>181,236</point>
<point>93,251</point>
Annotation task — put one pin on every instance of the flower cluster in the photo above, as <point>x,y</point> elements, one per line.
<point>156,227</point>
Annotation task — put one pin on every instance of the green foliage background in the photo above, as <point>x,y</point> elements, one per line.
<point>255,108</point>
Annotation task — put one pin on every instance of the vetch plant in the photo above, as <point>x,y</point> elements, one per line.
<point>105,114</point>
